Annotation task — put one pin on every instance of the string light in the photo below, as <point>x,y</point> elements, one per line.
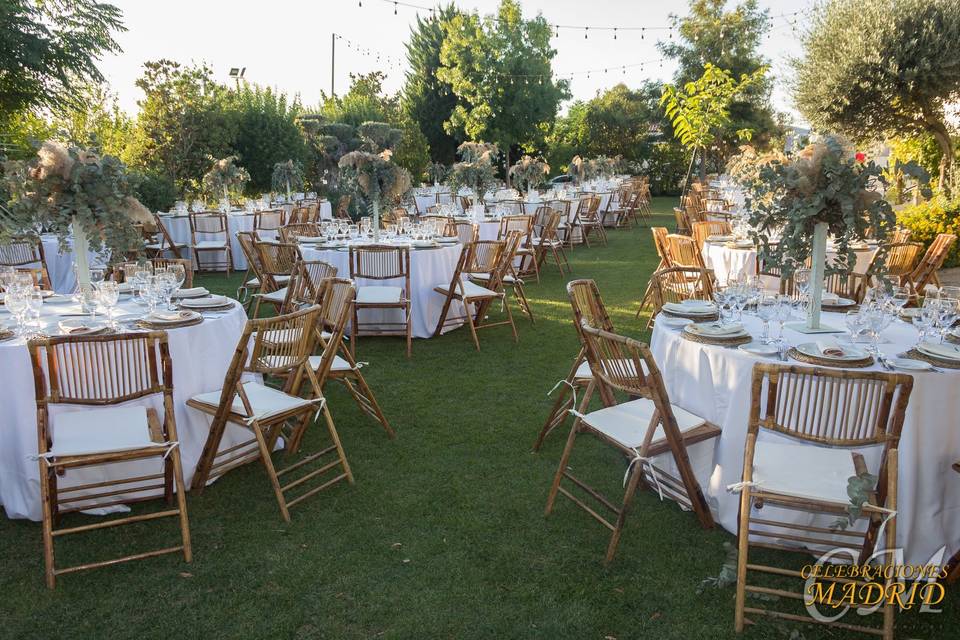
<point>614,33</point>
<point>586,30</point>
<point>394,8</point>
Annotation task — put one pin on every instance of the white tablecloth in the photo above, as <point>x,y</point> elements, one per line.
<point>201,355</point>
<point>728,262</point>
<point>179,227</point>
<point>714,383</point>
<point>428,268</point>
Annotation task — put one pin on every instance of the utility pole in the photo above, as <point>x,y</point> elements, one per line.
<point>333,60</point>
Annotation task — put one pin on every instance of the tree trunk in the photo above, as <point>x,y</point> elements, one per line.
<point>942,136</point>
<point>703,167</point>
<point>506,172</point>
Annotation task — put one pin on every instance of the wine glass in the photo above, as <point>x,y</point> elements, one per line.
<point>898,298</point>
<point>784,312</point>
<point>949,313</point>
<point>35,305</point>
<point>179,273</point>
<point>109,296</point>
<point>927,319</point>
<point>766,311</point>
<point>801,280</point>
<point>167,284</point>
<point>855,325</point>
<point>16,303</point>
<point>6,276</point>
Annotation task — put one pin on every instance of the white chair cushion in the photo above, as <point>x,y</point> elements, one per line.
<point>276,296</point>
<point>509,279</point>
<point>100,430</point>
<point>339,364</point>
<point>627,423</point>
<point>281,279</point>
<point>378,295</point>
<point>264,401</point>
<point>803,470</point>
<point>210,244</point>
<point>583,371</point>
<point>473,290</point>
<point>252,282</point>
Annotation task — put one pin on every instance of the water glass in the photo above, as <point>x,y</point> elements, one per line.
<point>35,305</point>
<point>856,324</point>
<point>109,296</point>
<point>767,311</point>
<point>15,300</point>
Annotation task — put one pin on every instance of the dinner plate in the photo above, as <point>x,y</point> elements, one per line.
<point>672,322</point>
<point>760,349</point>
<point>909,364</point>
<point>850,353</point>
<point>945,351</point>
<point>170,317</point>
<point>196,292</point>
<point>715,329</point>
<point>448,240</point>
<point>80,327</point>
<point>700,308</point>
<point>840,302</point>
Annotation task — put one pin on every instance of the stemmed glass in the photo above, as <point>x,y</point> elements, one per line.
<point>927,319</point>
<point>767,306</point>
<point>179,274</point>
<point>35,305</point>
<point>7,275</point>
<point>109,296</point>
<point>16,303</point>
<point>801,280</point>
<point>877,319</point>
<point>949,313</point>
<point>784,312</point>
<point>721,296</point>
<point>166,285</point>
<point>898,297</point>
<point>856,323</point>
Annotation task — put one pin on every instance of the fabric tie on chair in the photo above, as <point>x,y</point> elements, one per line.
<point>737,487</point>
<point>573,389</point>
<point>641,460</point>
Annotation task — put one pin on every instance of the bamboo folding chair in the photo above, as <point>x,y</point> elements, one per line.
<point>565,228</point>
<point>292,232</point>
<point>660,245</point>
<point>270,221</point>
<point>163,241</point>
<point>588,219</point>
<point>643,427</point>
<point>525,250</point>
<point>26,255</point>
<point>676,284</point>
<point>103,374</point>
<point>281,347</point>
<point>681,224</point>
<point>338,300</point>
<point>381,263</point>
<point>683,251</point>
<point>465,231</point>
<point>926,271</point>
<point>703,230</point>
<point>816,419</point>
<point>308,285</point>
<point>587,307</point>
<point>642,208</point>
<point>276,261</point>
<point>549,241</point>
<point>253,279</point>
<point>509,276</point>
<point>480,257</point>
<point>203,225</point>
<point>900,234</point>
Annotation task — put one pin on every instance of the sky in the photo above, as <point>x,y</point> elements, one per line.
<point>287,44</point>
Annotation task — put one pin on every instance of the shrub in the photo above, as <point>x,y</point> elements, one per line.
<point>927,219</point>
<point>155,190</point>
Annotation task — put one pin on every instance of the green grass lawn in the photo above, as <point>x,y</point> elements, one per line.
<point>443,534</point>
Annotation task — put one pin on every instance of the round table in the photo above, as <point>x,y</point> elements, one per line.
<point>714,383</point>
<point>429,268</point>
<point>200,353</point>
<point>728,262</point>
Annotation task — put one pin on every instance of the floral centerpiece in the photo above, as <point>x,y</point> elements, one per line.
<point>530,171</point>
<point>476,169</point>
<point>795,203</point>
<point>225,176</point>
<point>378,179</point>
<point>73,192</point>
<point>287,175</point>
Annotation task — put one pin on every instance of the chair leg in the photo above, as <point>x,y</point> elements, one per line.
<point>271,471</point>
<point>46,498</point>
<point>372,401</point>
<point>622,515</point>
<point>409,331</point>
<point>521,297</point>
<point>513,326</point>
<point>470,323</point>
<point>443,316</point>
<point>332,430</point>
<point>354,332</point>
<point>564,459</point>
<point>560,405</point>
<point>182,504</point>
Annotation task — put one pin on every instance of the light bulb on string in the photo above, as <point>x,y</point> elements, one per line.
<point>394,8</point>
<point>642,31</point>
<point>586,30</point>
<point>614,33</point>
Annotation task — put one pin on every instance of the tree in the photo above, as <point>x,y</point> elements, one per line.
<point>184,120</point>
<point>700,111</point>
<point>882,68</point>
<point>427,100</point>
<point>499,68</point>
<point>49,49</point>
<point>729,40</point>
<point>266,133</point>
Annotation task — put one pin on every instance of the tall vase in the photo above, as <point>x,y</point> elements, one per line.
<point>376,220</point>
<point>818,262</point>
<point>81,255</point>
<point>288,191</point>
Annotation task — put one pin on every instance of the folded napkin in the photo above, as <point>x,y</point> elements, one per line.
<point>195,292</point>
<point>948,351</point>
<point>831,349</point>
<point>830,298</point>
<point>690,306</point>
<point>716,329</point>
<point>170,316</point>
<point>209,301</point>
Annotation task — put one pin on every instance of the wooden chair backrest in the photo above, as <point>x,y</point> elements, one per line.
<point>278,258</point>
<point>932,261</point>
<point>343,207</point>
<point>626,365</point>
<point>707,228</point>
<point>248,245</point>
<point>660,244</point>
<point>380,262</point>
<point>338,297</point>
<point>676,284</point>
<point>208,223</point>
<point>901,258</point>
<point>588,306</point>
<point>308,284</point>
<point>521,223</point>
<point>167,239</point>
<point>829,406</point>
<point>21,252</point>
<point>290,232</point>
<point>680,219</point>
<point>549,230</point>
<point>268,220</point>
<point>465,231</point>
<point>186,264</point>
<point>683,251</point>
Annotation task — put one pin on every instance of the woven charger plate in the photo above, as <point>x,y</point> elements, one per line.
<point>220,307</point>
<point>830,362</point>
<point>937,362</point>
<point>691,316</point>
<point>722,341</point>
<point>143,324</point>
